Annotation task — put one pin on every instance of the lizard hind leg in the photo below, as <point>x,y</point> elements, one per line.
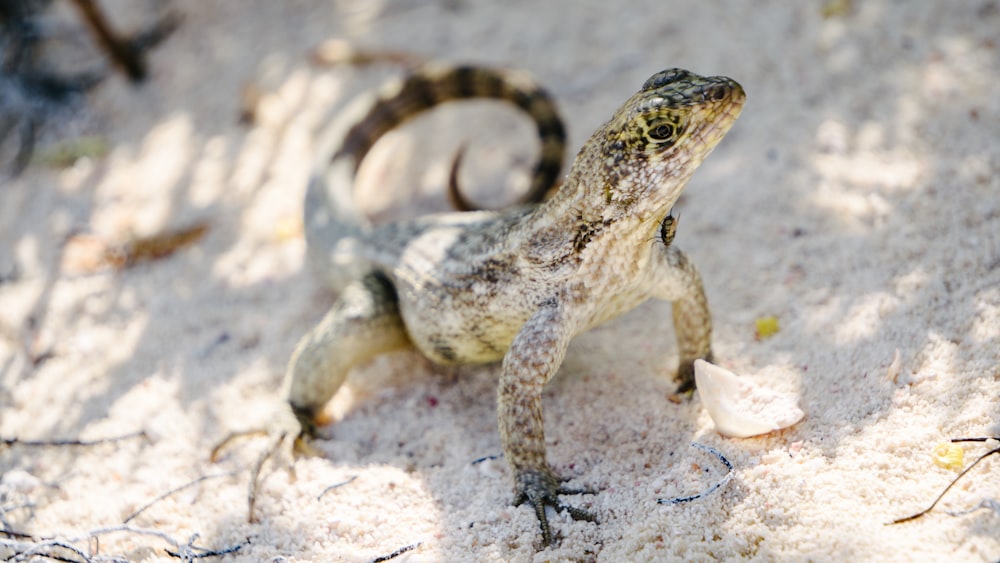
<point>363,323</point>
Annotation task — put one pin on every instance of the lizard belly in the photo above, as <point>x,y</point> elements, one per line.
<point>460,302</point>
<point>459,329</point>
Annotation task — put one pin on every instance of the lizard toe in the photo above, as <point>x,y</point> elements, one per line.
<point>541,489</point>
<point>685,374</point>
<point>307,423</point>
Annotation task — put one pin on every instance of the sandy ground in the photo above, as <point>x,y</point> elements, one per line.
<point>857,200</point>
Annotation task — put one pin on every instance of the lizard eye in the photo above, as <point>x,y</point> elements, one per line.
<point>662,132</point>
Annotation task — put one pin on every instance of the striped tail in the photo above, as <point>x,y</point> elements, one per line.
<point>330,212</point>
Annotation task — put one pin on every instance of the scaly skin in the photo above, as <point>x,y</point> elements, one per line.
<point>518,285</point>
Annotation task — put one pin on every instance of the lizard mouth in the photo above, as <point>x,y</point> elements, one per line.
<point>722,102</point>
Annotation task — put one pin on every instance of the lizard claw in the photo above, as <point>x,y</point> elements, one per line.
<point>541,489</point>
<point>685,374</point>
<point>306,422</point>
<point>305,431</point>
<point>295,429</point>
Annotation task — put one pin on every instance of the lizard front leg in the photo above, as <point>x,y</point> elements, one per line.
<point>363,323</point>
<point>533,358</point>
<point>678,280</point>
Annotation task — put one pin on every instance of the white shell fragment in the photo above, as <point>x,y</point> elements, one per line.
<point>740,408</point>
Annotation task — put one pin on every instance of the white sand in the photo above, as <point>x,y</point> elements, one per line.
<point>857,199</point>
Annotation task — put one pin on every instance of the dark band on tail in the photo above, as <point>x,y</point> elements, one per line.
<point>434,85</point>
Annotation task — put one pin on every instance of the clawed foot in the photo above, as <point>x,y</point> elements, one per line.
<point>290,435</point>
<point>293,431</point>
<point>541,489</point>
<point>685,374</point>
<point>305,432</point>
<point>306,422</point>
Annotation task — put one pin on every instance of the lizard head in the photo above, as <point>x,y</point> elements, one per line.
<point>657,139</point>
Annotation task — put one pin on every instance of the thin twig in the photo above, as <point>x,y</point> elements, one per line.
<point>486,458</point>
<point>190,552</point>
<point>710,490</point>
<point>397,553</point>
<point>37,551</point>
<point>204,554</point>
<point>980,439</point>
<point>173,491</point>
<point>339,52</point>
<point>70,442</point>
<point>336,486</point>
<point>950,485</point>
<point>187,551</point>
<point>15,534</point>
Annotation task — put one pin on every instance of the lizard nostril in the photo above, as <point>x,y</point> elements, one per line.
<point>719,93</point>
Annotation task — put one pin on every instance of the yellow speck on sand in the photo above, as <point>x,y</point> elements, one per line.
<point>949,456</point>
<point>766,327</point>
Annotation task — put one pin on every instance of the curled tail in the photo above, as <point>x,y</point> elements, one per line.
<point>331,216</point>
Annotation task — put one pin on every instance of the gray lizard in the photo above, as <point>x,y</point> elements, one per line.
<point>514,285</point>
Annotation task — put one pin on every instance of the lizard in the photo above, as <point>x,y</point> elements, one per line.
<point>514,285</point>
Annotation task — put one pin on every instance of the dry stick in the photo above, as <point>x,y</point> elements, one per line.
<point>36,551</point>
<point>340,52</point>
<point>125,52</point>
<point>336,486</point>
<point>187,551</point>
<point>70,442</point>
<point>486,458</point>
<point>123,55</point>
<point>982,439</point>
<point>175,490</point>
<point>397,553</point>
<point>952,484</point>
<point>5,525</point>
<point>15,534</point>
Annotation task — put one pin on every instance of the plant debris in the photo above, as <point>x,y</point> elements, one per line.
<point>89,254</point>
<point>995,450</point>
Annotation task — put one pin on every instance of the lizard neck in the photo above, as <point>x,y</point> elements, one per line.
<point>580,223</point>
<point>625,197</point>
